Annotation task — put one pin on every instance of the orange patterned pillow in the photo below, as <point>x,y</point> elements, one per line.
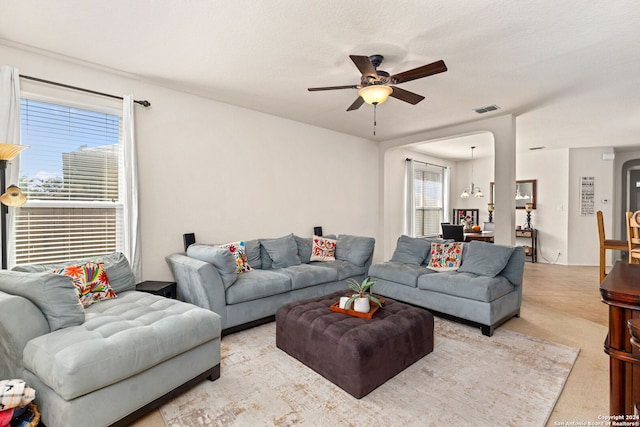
<point>91,281</point>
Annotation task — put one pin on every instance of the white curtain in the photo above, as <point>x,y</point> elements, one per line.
<point>129,170</point>
<point>10,134</point>
<point>410,225</point>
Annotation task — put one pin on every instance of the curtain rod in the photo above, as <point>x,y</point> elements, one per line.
<point>143,103</point>
<point>424,163</point>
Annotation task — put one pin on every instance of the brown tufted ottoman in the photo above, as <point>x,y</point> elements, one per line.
<point>355,354</point>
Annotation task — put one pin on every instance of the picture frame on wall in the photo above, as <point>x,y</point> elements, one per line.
<point>587,195</point>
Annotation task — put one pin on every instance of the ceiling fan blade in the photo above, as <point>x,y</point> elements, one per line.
<point>364,65</point>
<point>313,89</point>
<point>405,95</point>
<point>420,72</point>
<point>356,104</point>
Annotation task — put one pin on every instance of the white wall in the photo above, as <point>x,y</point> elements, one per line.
<point>224,172</point>
<point>550,169</point>
<point>583,244</point>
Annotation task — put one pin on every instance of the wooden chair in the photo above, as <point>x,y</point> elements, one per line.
<point>616,245</point>
<point>633,236</point>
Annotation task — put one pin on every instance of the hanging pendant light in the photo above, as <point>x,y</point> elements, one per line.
<point>472,190</point>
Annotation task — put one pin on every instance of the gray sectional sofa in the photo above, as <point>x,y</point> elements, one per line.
<point>107,363</point>
<point>281,272</point>
<point>486,289</point>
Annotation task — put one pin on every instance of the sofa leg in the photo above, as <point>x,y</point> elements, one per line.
<point>517,314</point>
<point>487,330</point>
<point>214,374</point>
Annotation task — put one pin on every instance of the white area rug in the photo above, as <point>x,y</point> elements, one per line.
<point>509,379</point>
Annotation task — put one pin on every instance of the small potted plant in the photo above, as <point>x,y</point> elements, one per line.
<point>360,299</point>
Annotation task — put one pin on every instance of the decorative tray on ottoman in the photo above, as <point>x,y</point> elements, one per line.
<point>374,307</point>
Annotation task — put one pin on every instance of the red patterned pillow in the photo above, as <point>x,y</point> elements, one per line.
<point>91,281</point>
<point>323,249</point>
<point>445,256</point>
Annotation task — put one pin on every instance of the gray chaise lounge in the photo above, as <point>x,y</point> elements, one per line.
<point>110,362</point>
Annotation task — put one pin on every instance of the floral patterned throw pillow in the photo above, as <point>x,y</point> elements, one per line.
<point>90,280</point>
<point>323,249</point>
<point>238,251</point>
<point>445,256</point>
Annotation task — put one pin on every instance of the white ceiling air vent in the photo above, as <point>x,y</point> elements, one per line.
<point>486,109</point>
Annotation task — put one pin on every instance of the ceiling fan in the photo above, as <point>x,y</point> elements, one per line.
<point>377,85</point>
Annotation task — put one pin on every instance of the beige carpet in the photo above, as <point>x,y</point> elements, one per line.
<point>510,379</point>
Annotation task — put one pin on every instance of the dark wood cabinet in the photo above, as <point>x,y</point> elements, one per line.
<point>621,291</point>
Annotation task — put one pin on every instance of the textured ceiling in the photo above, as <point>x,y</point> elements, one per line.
<point>569,71</point>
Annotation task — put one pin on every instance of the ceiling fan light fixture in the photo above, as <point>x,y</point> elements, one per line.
<point>375,94</point>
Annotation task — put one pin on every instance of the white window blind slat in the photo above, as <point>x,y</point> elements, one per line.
<point>428,187</point>
<point>70,176</point>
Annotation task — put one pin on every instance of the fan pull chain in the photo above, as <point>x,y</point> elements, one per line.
<point>374,118</point>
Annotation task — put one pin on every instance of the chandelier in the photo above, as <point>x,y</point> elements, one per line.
<point>471,190</point>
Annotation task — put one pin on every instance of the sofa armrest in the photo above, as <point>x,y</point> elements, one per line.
<point>198,283</point>
<point>20,322</point>
<point>514,270</point>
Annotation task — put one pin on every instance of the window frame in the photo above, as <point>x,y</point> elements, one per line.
<point>118,206</point>
<point>414,166</point>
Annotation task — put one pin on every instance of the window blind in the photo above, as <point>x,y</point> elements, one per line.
<point>428,188</point>
<point>70,176</point>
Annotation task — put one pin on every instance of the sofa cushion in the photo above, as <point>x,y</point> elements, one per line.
<point>282,251</point>
<point>305,275</point>
<point>221,258</point>
<point>120,338</point>
<point>485,259</point>
<point>90,280</point>
<point>445,256</point>
<point>398,272</point>
<point>257,284</point>
<point>117,267</point>
<point>411,250</point>
<point>466,285</point>
<point>344,269</point>
<point>354,249</point>
<point>323,249</point>
<point>54,295</point>
<point>304,248</point>
<point>252,249</point>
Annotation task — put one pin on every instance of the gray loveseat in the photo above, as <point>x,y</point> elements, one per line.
<point>281,272</point>
<point>107,363</point>
<point>486,289</point>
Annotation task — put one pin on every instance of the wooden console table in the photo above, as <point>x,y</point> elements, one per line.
<point>621,291</point>
<point>532,234</point>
